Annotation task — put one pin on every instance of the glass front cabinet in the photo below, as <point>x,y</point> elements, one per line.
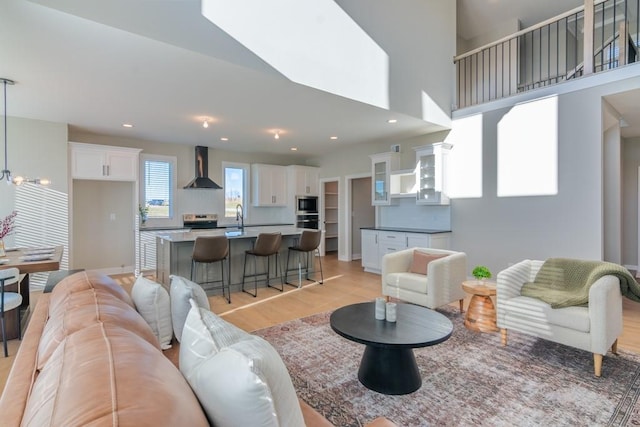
<point>381,166</point>
<point>432,164</point>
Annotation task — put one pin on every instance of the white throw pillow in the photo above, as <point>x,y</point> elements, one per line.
<point>246,384</point>
<point>181,291</point>
<point>152,302</point>
<point>203,335</point>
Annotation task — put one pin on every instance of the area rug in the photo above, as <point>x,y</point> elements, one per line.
<point>469,379</point>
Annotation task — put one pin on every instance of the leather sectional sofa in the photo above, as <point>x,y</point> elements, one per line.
<point>89,358</point>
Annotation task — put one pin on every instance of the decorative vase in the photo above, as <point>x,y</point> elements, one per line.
<point>2,251</point>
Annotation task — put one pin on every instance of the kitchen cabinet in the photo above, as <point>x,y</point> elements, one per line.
<point>269,185</point>
<point>378,243</point>
<point>146,256</point>
<point>403,183</point>
<point>381,166</point>
<point>370,259</point>
<point>104,163</point>
<point>432,162</point>
<point>303,180</point>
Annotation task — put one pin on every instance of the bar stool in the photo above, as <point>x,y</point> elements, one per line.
<point>266,245</point>
<point>208,250</point>
<point>308,243</point>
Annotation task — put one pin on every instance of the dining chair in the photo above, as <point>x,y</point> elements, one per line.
<point>9,301</point>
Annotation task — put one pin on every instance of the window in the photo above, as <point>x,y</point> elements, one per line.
<point>528,149</point>
<point>158,183</point>
<point>235,187</point>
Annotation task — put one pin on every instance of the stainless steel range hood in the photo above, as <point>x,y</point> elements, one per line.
<point>202,171</point>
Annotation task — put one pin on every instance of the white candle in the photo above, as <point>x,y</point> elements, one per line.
<point>391,312</point>
<point>380,308</point>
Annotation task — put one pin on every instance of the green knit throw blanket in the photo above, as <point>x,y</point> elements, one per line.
<point>563,282</point>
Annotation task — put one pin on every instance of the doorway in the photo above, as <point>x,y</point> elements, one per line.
<point>330,205</point>
<point>359,212</point>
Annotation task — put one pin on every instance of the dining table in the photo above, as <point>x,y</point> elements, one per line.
<point>27,261</point>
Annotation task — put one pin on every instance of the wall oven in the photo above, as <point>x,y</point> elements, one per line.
<point>307,221</point>
<point>307,212</point>
<point>306,205</point>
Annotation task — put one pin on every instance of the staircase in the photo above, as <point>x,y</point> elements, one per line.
<point>569,46</point>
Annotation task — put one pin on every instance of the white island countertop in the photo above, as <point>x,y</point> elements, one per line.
<point>231,233</point>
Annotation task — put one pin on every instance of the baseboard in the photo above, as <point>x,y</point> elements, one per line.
<point>356,256</point>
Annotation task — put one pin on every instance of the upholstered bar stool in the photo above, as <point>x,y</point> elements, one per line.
<point>307,244</point>
<point>9,301</point>
<point>209,250</point>
<point>266,245</point>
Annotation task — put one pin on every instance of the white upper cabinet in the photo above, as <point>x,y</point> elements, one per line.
<point>269,185</point>
<point>381,166</point>
<point>103,162</point>
<point>432,164</point>
<point>303,180</point>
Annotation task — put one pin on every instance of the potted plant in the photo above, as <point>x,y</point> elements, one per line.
<point>480,272</point>
<point>144,213</point>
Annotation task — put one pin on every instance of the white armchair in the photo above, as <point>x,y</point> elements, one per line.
<point>594,328</point>
<point>442,283</point>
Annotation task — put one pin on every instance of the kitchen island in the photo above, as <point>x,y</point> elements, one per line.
<point>173,251</point>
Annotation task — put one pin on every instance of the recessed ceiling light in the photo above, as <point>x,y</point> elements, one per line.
<point>127,125</point>
<point>224,138</point>
<point>277,135</point>
<point>333,137</point>
<point>392,121</point>
<point>205,123</point>
<point>294,148</point>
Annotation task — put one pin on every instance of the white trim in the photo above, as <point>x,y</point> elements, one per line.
<point>173,209</point>
<point>245,190</point>
<point>348,202</point>
<point>586,82</point>
<point>638,240</point>
<point>322,183</point>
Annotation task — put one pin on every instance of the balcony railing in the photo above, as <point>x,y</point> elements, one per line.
<point>550,53</point>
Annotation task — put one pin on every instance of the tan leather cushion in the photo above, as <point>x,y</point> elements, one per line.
<point>421,260</point>
<point>84,308</point>
<point>83,281</point>
<point>106,375</point>
<point>23,371</point>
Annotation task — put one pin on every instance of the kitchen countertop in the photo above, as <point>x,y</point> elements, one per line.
<point>220,226</point>
<point>407,230</point>
<point>231,233</point>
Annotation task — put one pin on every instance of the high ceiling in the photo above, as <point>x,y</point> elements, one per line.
<point>86,63</point>
<point>476,16</point>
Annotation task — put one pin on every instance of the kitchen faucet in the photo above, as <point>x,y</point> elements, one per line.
<point>240,216</point>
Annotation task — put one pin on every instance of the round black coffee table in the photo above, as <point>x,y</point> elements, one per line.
<point>388,364</point>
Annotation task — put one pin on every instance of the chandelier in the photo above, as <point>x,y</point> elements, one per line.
<point>6,173</point>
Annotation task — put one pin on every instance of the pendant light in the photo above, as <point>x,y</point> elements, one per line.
<point>6,173</point>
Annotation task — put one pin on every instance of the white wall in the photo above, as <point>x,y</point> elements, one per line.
<point>429,27</point>
<point>500,231</point>
<point>630,165</point>
<point>35,149</point>
<point>612,191</point>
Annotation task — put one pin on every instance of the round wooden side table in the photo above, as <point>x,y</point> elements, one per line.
<point>481,313</point>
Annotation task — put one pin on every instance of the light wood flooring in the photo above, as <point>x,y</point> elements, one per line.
<point>345,283</point>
